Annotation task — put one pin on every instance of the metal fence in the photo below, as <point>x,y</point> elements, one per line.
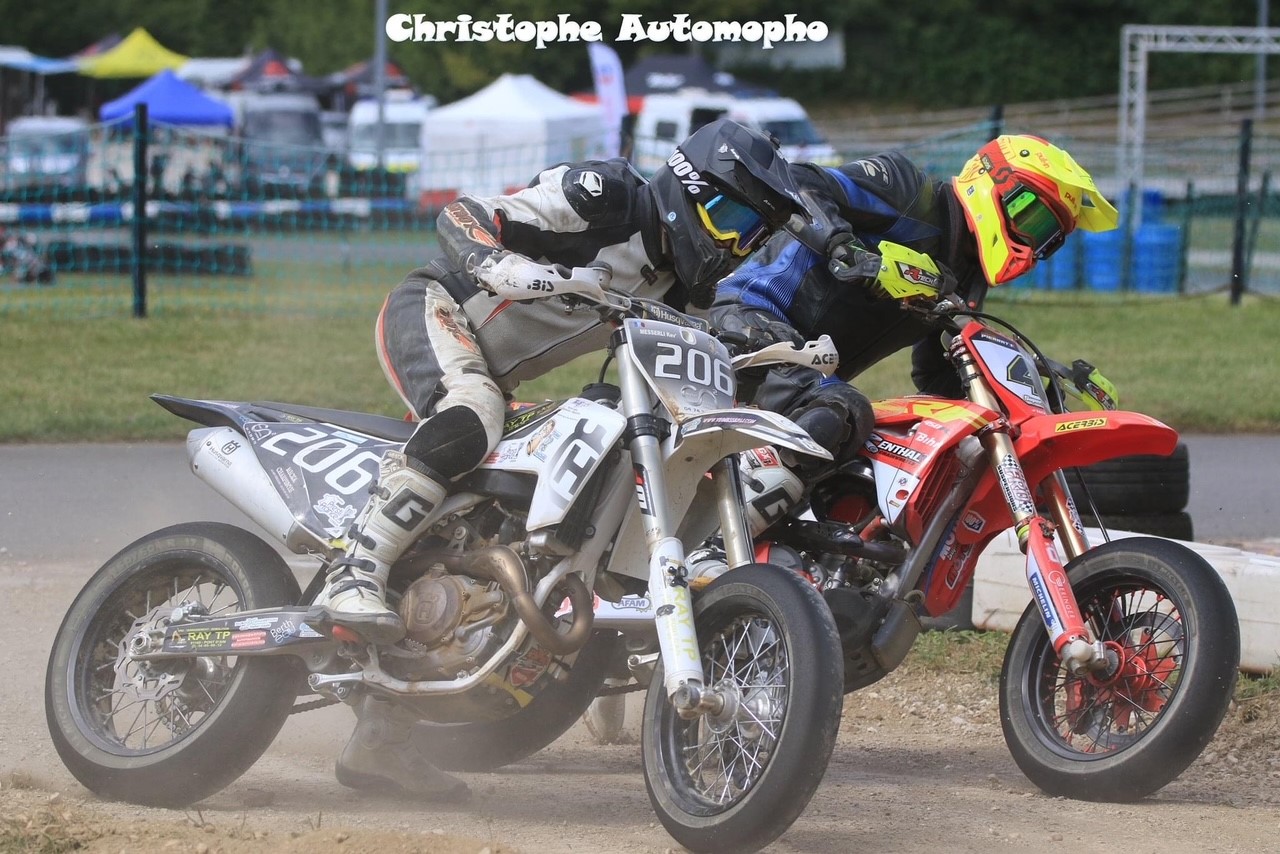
<point>231,227</point>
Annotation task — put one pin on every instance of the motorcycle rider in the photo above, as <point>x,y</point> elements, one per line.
<point>452,348</point>
<point>1013,204</point>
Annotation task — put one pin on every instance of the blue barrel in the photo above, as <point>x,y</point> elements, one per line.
<point>1152,206</point>
<point>1063,266</point>
<point>1157,251</point>
<point>1103,259</point>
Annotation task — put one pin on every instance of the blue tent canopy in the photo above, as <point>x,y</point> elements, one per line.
<point>171,100</point>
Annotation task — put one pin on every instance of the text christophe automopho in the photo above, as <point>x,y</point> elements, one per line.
<point>631,28</point>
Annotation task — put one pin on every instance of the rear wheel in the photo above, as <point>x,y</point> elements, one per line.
<point>1170,628</point>
<point>737,779</point>
<point>486,746</point>
<point>174,731</point>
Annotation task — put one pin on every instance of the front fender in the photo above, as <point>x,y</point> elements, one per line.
<point>749,428</point>
<point>1047,443</point>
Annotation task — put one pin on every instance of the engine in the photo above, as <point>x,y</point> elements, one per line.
<point>449,619</point>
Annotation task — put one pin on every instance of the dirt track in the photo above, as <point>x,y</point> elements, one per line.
<point>920,766</point>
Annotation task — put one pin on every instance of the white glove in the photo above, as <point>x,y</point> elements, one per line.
<point>515,277</point>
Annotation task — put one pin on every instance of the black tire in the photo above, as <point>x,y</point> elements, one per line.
<point>1142,484</point>
<point>214,738</point>
<point>795,636</point>
<point>1067,734</point>
<point>489,745</point>
<point>1175,526</point>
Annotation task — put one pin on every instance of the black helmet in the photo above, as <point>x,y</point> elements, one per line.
<point>720,196</point>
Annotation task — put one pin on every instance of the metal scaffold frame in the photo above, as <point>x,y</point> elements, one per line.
<point>1136,42</point>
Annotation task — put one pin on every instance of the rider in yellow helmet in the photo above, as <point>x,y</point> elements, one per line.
<point>1021,197</point>
<point>1013,204</point>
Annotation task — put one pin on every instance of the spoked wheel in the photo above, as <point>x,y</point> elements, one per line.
<point>1173,648</point>
<point>735,780</point>
<point>172,731</point>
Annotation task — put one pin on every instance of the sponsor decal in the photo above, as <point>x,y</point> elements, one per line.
<point>526,669</point>
<point>894,449</point>
<point>230,448</point>
<point>200,639</point>
<point>1082,424</point>
<point>255,623</point>
<point>333,508</point>
<point>1042,599</point>
<point>541,441</point>
<point>683,169</point>
<point>643,498</point>
<point>258,432</point>
<point>761,458</point>
<point>1014,484</point>
<point>221,454</point>
<point>249,640</point>
<point>633,603</point>
<point>525,417</point>
<point>974,522</point>
<point>284,631</point>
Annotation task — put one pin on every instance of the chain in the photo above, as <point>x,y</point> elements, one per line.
<point>312,705</point>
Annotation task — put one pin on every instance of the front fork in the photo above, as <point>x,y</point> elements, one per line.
<point>1046,576</point>
<point>668,585</point>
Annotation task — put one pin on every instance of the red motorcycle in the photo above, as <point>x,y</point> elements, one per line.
<point>1123,665</point>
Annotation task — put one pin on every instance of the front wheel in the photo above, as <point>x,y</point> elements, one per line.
<point>1170,628</point>
<point>173,731</point>
<point>736,780</point>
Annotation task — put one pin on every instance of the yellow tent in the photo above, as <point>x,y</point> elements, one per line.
<point>137,55</point>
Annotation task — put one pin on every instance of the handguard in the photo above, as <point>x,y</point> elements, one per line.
<point>515,277</point>
<point>821,355</point>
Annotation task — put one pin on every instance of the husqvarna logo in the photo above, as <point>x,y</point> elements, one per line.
<point>683,170</point>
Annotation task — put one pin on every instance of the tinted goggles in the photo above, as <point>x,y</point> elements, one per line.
<point>736,225</point>
<point>1033,221</point>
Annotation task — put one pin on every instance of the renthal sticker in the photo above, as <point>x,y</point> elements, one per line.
<point>333,508</point>
<point>248,640</point>
<point>974,522</point>
<point>1083,424</point>
<point>1014,484</point>
<point>255,623</point>
<point>900,451</point>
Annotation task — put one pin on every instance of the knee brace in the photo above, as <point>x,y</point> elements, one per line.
<point>450,442</point>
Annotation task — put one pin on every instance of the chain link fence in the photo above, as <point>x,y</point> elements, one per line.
<point>234,227</point>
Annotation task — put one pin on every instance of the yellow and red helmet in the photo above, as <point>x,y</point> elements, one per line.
<point>1022,196</point>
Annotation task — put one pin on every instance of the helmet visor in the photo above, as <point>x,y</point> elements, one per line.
<point>740,228</point>
<point>1032,221</point>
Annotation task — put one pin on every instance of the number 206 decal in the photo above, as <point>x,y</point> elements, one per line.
<point>345,466</point>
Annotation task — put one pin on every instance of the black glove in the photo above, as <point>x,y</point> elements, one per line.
<point>753,328</point>
<point>849,260</point>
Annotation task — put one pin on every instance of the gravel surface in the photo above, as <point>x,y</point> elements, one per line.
<point>920,766</point>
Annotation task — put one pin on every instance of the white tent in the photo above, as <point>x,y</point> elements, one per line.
<point>499,138</point>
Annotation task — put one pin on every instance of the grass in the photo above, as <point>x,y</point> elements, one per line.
<point>1195,362</point>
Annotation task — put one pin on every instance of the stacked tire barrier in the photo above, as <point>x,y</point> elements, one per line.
<point>1144,494</point>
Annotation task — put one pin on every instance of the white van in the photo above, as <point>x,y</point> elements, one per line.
<point>402,119</point>
<point>666,119</point>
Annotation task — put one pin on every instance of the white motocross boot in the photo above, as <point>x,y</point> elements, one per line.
<point>405,503</point>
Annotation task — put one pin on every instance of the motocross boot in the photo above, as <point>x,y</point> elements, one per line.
<point>381,756</point>
<point>405,503</point>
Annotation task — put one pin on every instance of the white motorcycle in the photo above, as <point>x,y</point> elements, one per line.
<point>182,657</point>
